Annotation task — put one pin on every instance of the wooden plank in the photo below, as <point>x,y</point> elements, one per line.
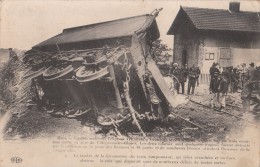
<point>173,99</point>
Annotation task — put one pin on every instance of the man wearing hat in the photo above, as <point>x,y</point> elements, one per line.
<point>248,86</point>
<point>176,72</point>
<point>214,72</point>
<point>250,74</point>
<point>250,77</point>
<point>183,73</point>
<point>192,75</point>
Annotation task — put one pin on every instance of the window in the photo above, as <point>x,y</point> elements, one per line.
<point>209,56</point>
<point>225,53</point>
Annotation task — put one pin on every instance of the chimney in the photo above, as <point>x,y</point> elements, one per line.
<point>234,6</point>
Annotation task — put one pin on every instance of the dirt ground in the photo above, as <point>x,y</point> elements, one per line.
<point>200,124</point>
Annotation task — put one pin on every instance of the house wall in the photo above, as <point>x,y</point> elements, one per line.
<point>231,39</point>
<point>206,64</point>
<point>185,39</point>
<point>178,48</point>
<point>244,48</point>
<point>246,56</point>
<point>191,45</point>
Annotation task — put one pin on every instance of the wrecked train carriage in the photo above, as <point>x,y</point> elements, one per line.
<point>106,67</point>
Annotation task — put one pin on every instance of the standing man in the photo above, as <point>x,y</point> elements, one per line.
<point>211,76</point>
<point>176,72</point>
<point>243,73</point>
<point>236,76</point>
<point>250,73</point>
<point>198,75</point>
<point>183,73</point>
<point>214,73</point>
<point>192,75</point>
<point>248,86</point>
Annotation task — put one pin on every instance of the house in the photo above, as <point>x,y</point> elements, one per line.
<point>4,56</point>
<point>203,36</point>
<point>111,33</point>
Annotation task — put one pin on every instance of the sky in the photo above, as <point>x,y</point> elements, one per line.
<point>25,23</point>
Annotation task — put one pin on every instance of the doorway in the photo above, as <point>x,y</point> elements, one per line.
<point>184,57</point>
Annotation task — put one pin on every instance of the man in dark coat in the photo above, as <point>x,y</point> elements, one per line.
<point>235,75</point>
<point>198,75</point>
<point>250,73</point>
<point>176,72</point>
<point>214,73</point>
<point>249,78</point>
<point>182,77</point>
<point>211,74</point>
<point>192,75</point>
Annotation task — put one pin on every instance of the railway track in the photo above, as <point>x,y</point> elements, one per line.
<point>225,112</point>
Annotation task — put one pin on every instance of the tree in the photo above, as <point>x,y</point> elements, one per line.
<point>160,51</point>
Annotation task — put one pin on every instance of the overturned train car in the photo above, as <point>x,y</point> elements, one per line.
<point>104,68</point>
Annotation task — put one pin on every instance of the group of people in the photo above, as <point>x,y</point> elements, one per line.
<point>231,79</point>
<point>245,74</point>
<point>183,74</point>
<point>238,75</point>
<point>222,80</point>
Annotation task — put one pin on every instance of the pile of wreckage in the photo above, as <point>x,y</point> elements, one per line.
<point>118,82</point>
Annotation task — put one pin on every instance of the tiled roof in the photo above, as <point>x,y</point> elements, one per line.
<point>217,19</point>
<point>104,30</point>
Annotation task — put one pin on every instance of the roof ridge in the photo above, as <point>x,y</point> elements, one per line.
<point>219,19</point>
<point>124,27</point>
<point>109,21</point>
<point>241,11</point>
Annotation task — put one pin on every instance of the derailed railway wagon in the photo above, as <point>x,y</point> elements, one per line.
<point>105,68</point>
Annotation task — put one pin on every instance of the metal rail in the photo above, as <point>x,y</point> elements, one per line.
<point>188,121</point>
<point>233,106</point>
<point>252,123</point>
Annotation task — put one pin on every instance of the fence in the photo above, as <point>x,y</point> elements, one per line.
<point>204,78</point>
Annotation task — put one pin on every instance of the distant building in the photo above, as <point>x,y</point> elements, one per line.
<point>4,56</point>
<point>203,36</point>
